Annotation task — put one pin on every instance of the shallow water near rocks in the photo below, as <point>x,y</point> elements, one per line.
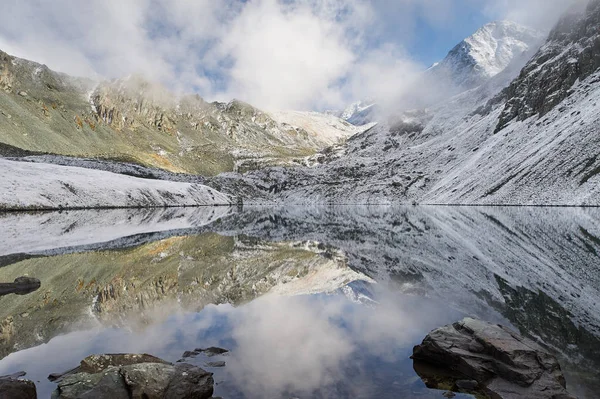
<point>310,301</point>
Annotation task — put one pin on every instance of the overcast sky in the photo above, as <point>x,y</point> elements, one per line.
<point>301,54</point>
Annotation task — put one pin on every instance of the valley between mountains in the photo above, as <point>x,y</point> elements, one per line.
<point>515,124</point>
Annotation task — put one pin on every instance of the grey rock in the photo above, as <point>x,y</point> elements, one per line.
<point>212,351</point>
<point>190,382</point>
<point>12,388</point>
<point>189,354</point>
<point>215,364</point>
<point>134,376</point>
<point>97,363</point>
<point>469,385</point>
<point>16,375</point>
<point>55,377</point>
<point>107,384</point>
<point>504,364</point>
<point>148,380</point>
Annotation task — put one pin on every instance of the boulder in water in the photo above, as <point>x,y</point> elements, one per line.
<point>473,355</point>
<point>131,376</point>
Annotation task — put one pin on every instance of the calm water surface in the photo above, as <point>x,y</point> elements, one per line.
<point>311,302</point>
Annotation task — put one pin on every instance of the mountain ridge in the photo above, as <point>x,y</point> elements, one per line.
<point>505,141</point>
<point>472,62</point>
<point>141,122</point>
<point>486,53</point>
<point>453,152</point>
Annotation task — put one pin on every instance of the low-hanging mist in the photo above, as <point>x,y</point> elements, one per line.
<point>301,54</point>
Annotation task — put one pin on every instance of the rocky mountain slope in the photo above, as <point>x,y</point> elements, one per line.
<point>137,121</point>
<point>526,136</point>
<point>485,54</point>
<point>524,132</point>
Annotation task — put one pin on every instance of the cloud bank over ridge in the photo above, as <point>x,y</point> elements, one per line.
<point>276,54</point>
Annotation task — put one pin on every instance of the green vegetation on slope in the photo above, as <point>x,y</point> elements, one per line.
<point>135,121</point>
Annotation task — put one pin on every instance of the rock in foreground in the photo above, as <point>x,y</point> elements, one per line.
<point>501,362</point>
<point>13,388</point>
<point>130,376</point>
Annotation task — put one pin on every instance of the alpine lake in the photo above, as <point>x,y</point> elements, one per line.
<point>310,302</point>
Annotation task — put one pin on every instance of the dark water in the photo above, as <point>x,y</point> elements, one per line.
<point>311,302</point>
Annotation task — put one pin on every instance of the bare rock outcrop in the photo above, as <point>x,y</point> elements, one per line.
<point>491,359</point>
<point>131,376</point>
<point>12,387</point>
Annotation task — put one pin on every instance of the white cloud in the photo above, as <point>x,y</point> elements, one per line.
<point>540,14</point>
<point>271,53</point>
<point>385,74</point>
<point>285,57</point>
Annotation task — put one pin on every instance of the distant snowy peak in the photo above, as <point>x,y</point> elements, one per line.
<point>478,58</point>
<point>358,113</point>
<point>486,53</point>
<point>495,45</point>
<point>356,108</point>
<point>324,128</point>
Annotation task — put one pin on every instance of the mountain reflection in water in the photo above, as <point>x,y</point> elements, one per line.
<point>312,302</point>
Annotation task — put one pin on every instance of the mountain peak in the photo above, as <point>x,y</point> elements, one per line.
<point>495,44</point>
<point>487,52</point>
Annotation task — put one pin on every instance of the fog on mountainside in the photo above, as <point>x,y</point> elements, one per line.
<point>323,228</point>
<point>524,137</point>
<point>449,137</point>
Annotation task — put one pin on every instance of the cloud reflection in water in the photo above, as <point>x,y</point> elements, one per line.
<point>318,345</point>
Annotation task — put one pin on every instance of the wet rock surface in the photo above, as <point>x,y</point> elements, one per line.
<point>476,356</point>
<point>213,351</point>
<point>134,376</point>
<point>13,388</point>
<point>97,363</point>
<point>215,364</point>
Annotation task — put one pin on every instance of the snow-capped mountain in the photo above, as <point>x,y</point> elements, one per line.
<point>358,113</point>
<point>486,53</point>
<point>533,141</point>
<point>324,128</point>
<point>491,50</point>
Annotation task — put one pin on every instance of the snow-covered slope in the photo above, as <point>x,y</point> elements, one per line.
<point>532,141</point>
<point>360,112</point>
<point>25,185</point>
<point>322,128</point>
<point>486,53</point>
<point>534,266</point>
<point>356,108</point>
<point>48,233</point>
